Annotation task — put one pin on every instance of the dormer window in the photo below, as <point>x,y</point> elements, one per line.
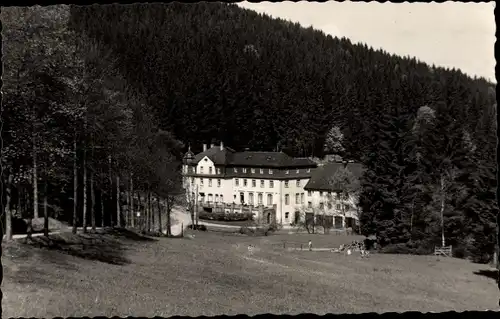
<point>244,170</point>
<point>287,172</point>
<point>261,171</point>
<point>218,171</point>
<point>253,170</point>
<point>235,170</point>
<point>298,171</point>
<point>209,170</point>
<point>270,171</point>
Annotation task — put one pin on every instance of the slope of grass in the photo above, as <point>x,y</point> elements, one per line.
<point>214,273</point>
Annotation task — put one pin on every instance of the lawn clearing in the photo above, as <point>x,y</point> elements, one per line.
<point>214,273</point>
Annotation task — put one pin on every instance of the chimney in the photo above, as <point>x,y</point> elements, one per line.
<point>204,147</point>
<point>221,145</point>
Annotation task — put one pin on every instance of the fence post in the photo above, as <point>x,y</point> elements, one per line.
<point>182,229</point>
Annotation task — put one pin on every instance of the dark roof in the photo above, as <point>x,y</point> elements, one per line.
<point>215,155</point>
<point>268,159</point>
<point>320,179</point>
<point>230,157</point>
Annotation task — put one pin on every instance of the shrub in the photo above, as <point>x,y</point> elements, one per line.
<point>225,217</point>
<point>198,227</point>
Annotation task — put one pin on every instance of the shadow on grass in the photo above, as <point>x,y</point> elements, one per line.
<point>492,274</point>
<point>107,246</point>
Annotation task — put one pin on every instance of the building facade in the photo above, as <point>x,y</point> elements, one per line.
<point>220,178</point>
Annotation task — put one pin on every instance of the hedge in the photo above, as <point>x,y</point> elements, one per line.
<point>225,217</point>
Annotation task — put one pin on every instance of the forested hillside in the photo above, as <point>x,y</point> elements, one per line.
<point>426,135</point>
<point>216,70</point>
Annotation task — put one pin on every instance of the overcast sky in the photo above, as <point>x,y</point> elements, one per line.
<point>450,34</point>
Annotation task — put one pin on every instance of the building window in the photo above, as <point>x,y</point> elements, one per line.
<point>250,198</point>
<point>192,179</point>
<point>221,199</point>
<point>329,205</point>
<point>193,169</point>
<point>298,171</point>
<point>269,199</point>
<point>302,198</point>
<point>287,172</point>
<point>338,206</point>
<point>235,170</point>
<point>245,182</point>
<point>347,207</point>
<point>297,199</point>
<point>237,182</point>
<point>218,171</point>
<point>201,181</point>
<point>209,198</point>
<point>201,169</point>
<point>287,199</point>
<point>320,193</point>
<point>271,184</point>
<point>252,170</point>
<point>321,205</point>
<point>209,182</point>
<point>261,171</point>
<point>298,183</point>
<point>270,171</point>
<point>286,184</point>
<point>262,183</point>
<point>244,170</point>
<point>309,204</point>
<point>218,182</point>
<point>308,170</point>
<point>286,216</point>
<point>210,170</point>
<point>259,198</point>
<point>309,193</point>
<point>254,183</point>
<point>216,198</point>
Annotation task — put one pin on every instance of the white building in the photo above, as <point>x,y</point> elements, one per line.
<point>235,181</point>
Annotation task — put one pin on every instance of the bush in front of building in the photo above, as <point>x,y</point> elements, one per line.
<point>225,217</point>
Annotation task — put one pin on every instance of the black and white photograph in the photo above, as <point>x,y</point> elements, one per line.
<point>212,158</point>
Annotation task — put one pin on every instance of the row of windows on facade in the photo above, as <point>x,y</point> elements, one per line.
<point>244,170</point>
<point>245,183</point>
<point>299,199</point>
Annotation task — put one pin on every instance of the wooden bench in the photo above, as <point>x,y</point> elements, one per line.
<point>443,251</point>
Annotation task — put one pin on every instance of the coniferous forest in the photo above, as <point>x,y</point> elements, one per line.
<point>121,90</point>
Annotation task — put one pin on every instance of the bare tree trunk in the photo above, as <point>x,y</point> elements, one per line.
<point>84,221</point>
<point>111,191</point>
<point>442,211</point>
<point>102,208</point>
<point>150,212</point>
<point>132,213</point>
<point>159,215</point>
<point>92,200</point>
<point>35,178</point>
<point>153,219</point>
<point>7,210</point>
<point>127,216</point>
<point>45,210</point>
<point>118,214</point>
<point>141,217</point>
<point>75,185</point>
<point>169,209</point>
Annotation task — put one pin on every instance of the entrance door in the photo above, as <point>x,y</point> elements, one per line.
<point>268,218</point>
<point>242,197</point>
<point>338,222</point>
